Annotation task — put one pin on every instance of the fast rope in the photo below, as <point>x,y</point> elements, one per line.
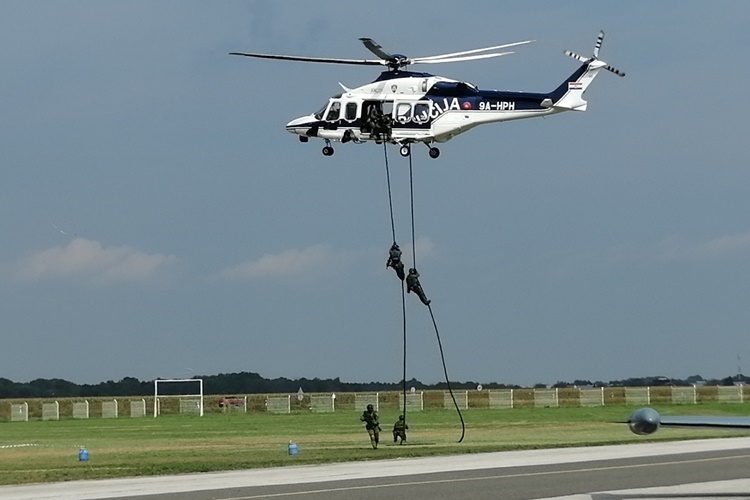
<point>434,323</point>
<point>403,295</point>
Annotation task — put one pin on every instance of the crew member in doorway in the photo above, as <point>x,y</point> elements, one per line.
<point>378,124</point>
<point>413,285</point>
<point>394,261</point>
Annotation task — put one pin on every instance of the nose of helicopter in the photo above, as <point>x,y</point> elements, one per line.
<point>300,125</point>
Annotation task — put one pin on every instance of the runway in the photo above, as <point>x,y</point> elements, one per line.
<point>714,468</point>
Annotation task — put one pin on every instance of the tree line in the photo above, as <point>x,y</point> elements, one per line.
<point>221,384</point>
<point>253,383</point>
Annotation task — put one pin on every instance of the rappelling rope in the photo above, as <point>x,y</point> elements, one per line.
<point>434,323</point>
<point>411,193</point>
<point>445,371</point>
<point>390,195</point>
<point>403,295</point>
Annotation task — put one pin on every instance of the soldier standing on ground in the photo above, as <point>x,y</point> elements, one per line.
<point>372,424</point>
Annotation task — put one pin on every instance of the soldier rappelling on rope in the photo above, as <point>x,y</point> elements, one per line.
<point>413,285</point>
<point>394,261</point>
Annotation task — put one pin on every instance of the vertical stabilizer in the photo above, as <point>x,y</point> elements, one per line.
<point>569,95</point>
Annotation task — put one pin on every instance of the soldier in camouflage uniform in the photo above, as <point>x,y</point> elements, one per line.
<point>399,430</point>
<point>413,285</point>
<point>372,424</point>
<point>394,261</point>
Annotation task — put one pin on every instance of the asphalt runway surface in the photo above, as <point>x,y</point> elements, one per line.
<point>705,469</point>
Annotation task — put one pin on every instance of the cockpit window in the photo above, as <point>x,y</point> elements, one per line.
<point>319,113</point>
<point>334,112</point>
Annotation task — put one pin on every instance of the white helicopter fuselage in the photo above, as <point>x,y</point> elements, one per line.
<point>427,108</point>
<point>403,107</point>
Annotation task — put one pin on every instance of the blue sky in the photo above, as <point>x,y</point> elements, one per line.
<point>159,221</point>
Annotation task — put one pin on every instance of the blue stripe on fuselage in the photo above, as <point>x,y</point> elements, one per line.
<point>460,97</point>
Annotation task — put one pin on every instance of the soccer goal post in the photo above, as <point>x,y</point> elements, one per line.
<point>190,399</point>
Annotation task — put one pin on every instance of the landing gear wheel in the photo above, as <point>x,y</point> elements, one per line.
<point>434,152</point>
<point>405,151</point>
<point>327,151</point>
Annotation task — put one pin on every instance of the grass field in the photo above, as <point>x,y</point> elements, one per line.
<point>181,444</point>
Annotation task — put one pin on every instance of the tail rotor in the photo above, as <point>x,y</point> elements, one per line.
<point>595,56</point>
<point>579,57</point>
<point>598,45</point>
<point>614,70</point>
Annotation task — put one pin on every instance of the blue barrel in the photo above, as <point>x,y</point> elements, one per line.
<point>83,455</point>
<point>293,450</point>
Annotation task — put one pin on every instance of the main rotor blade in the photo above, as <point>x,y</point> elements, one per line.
<point>458,59</point>
<point>361,62</point>
<point>473,51</point>
<point>376,49</point>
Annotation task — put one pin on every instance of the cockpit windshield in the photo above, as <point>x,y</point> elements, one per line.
<point>319,113</point>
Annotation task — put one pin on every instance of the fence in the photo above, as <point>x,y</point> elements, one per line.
<point>496,399</point>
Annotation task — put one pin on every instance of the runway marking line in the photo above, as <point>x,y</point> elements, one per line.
<point>481,478</point>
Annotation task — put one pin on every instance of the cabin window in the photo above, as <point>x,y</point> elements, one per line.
<point>412,112</point>
<point>403,112</point>
<point>351,111</point>
<point>421,112</point>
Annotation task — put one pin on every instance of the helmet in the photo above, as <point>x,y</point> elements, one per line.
<point>369,407</point>
<point>400,417</point>
<point>412,270</point>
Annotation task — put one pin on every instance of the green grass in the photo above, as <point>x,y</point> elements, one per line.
<point>181,444</point>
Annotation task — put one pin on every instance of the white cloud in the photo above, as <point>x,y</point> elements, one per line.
<point>89,261</point>
<point>675,249</point>
<point>424,246</point>
<point>315,260</point>
<point>288,263</point>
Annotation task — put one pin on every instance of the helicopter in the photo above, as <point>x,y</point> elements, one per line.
<point>404,107</point>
